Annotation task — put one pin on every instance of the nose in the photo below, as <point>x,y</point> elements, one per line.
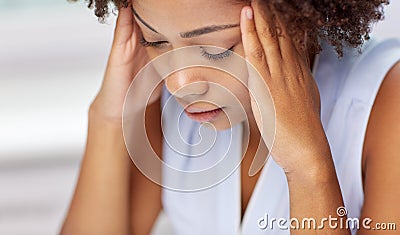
<point>186,82</point>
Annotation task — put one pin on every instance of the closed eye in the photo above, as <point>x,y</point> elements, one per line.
<point>204,53</point>
<point>146,43</point>
<point>216,57</point>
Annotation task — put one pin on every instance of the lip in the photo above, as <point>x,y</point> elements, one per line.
<point>203,115</point>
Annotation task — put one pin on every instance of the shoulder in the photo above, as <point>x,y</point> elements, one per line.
<point>385,114</point>
<point>383,132</point>
<point>385,111</point>
<point>381,153</point>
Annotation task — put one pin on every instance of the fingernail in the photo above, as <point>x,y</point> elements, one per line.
<point>249,13</point>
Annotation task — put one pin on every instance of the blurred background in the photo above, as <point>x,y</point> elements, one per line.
<point>52,58</point>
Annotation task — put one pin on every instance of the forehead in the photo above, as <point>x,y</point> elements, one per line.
<point>187,14</point>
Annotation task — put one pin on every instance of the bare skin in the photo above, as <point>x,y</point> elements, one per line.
<point>381,156</point>
<point>109,185</point>
<point>307,162</point>
<point>113,197</point>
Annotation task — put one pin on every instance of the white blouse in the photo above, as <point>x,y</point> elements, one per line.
<point>203,157</point>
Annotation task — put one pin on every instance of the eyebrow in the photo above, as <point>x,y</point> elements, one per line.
<point>193,33</point>
<point>208,29</point>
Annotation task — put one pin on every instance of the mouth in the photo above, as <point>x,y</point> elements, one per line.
<point>204,115</point>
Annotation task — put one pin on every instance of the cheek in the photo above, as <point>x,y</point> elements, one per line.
<point>234,90</point>
<point>153,53</point>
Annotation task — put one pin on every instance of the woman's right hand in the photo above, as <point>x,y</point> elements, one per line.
<point>127,57</point>
<point>99,205</point>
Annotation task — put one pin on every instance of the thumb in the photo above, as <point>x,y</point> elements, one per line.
<point>124,26</point>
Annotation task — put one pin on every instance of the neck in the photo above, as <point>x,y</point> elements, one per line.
<point>253,146</point>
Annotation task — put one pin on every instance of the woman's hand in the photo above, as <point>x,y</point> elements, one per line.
<point>283,68</point>
<point>127,57</point>
<point>300,146</point>
<point>109,193</point>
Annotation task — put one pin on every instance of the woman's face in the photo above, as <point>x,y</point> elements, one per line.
<point>207,94</point>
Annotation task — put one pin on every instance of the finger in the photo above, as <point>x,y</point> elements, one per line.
<point>267,33</point>
<point>259,74</point>
<point>253,49</point>
<point>136,32</point>
<point>286,43</point>
<point>124,25</point>
<point>295,57</point>
<point>290,51</point>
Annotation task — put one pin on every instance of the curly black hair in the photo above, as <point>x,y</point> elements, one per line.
<point>339,22</point>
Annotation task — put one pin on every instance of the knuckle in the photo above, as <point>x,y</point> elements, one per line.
<point>257,53</point>
<point>268,32</point>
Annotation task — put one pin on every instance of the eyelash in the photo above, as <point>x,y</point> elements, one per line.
<point>209,56</point>
<point>216,57</point>
<point>145,43</point>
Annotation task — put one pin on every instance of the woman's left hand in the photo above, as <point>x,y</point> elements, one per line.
<point>299,141</point>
